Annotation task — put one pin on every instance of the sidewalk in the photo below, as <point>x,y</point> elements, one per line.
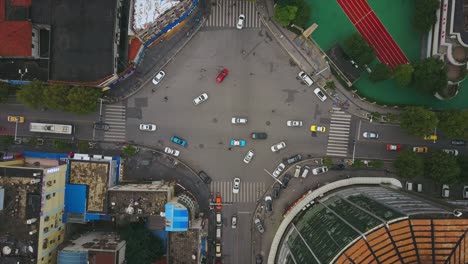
<point>159,55</point>
<point>310,59</point>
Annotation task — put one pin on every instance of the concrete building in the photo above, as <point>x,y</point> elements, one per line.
<point>32,195</point>
<point>88,182</point>
<point>93,248</point>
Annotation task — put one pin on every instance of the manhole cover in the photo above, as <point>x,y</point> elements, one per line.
<point>201,146</point>
<point>215,120</point>
<point>267,123</point>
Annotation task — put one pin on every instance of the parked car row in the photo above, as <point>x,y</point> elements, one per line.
<point>305,78</point>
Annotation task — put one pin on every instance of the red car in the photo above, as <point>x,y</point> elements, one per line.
<point>222,75</point>
<point>218,201</point>
<point>393,147</point>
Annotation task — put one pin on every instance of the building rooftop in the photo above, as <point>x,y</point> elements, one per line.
<point>16,38</point>
<point>141,199</point>
<point>82,39</point>
<point>95,175</point>
<point>22,201</point>
<point>182,245</point>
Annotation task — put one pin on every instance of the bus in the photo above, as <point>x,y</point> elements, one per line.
<point>51,128</point>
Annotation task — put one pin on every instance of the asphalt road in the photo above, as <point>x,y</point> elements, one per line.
<point>261,86</point>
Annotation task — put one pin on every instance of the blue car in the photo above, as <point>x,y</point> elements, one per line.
<point>179,141</point>
<point>237,142</point>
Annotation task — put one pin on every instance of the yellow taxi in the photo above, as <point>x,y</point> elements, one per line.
<point>15,119</point>
<point>315,128</point>
<point>430,137</point>
<point>420,149</point>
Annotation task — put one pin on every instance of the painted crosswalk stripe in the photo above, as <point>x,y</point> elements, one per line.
<point>225,13</point>
<point>338,137</point>
<point>116,117</point>
<point>249,192</point>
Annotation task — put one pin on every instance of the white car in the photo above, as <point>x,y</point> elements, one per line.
<point>234,221</point>
<point>451,151</point>
<point>240,22</point>
<point>200,99</point>
<point>148,127</point>
<point>157,79</point>
<point>278,170</point>
<point>445,191</point>
<point>320,94</point>
<point>173,152</point>
<point>294,123</point>
<point>319,170</point>
<point>306,78</point>
<point>239,120</point>
<point>235,188</point>
<point>276,147</point>
<point>248,157</point>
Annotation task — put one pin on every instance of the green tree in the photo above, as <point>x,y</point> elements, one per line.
<point>463,163</point>
<point>4,92</point>
<point>378,164</point>
<point>142,246</point>
<point>430,75</point>
<point>403,74</point>
<point>83,100</point>
<point>32,95</point>
<point>418,121</point>
<point>55,97</point>
<point>359,50</point>
<point>129,151</point>
<point>6,141</point>
<point>442,167</point>
<point>425,14</point>
<point>284,14</point>
<point>358,164</point>
<point>303,14</point>
<point>83,146</point>
<point>327,161</point>
<point>381,72</point>
<point>408,164</point>
<point>60,145</point>
<point>454,123</point>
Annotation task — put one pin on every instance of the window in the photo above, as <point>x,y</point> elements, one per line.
<point>32,45</point>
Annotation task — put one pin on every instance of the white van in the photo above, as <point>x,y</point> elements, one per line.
<point>219,220</point>
<point>305,171</point>
<point>298,171</point>
<point>305,78</point>
<point>419,187</point>
<point>409,186</point>
<point>218,233</point>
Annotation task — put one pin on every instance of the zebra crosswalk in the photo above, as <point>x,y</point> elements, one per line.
<point>225,13</point>
<point>115,117</point>
<point>338,135</point>
<point>248,192</point>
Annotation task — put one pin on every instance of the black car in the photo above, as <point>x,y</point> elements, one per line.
<point>294,159</point>
<point>286,179</point>
<point>101,126</point>
<point>205,178</point>
<point>338,167</point>
<point>276,191</point>
<point>259,135</point>
<point>458,142</point>
<point>268,203</point>
<point>259,259</point>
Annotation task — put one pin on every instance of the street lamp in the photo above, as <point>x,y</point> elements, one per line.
<point>324,69</point>
<point>16,127</point>
<point>21,73</point>
<point>273,176</point>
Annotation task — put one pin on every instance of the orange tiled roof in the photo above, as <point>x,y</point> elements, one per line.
<point>133,49</point>
<point>412,241</point>
<point>15,38</point>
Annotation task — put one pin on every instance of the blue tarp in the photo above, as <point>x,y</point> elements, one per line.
<point>75,198</point>
<point>161,234</point>
<point>43,155</point>
<point>93,217</point>
<point>176,218</point>
<point>72,257</point>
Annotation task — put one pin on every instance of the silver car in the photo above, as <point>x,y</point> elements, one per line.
<point>278,170</point>
<point>320,94</point>
<point>200,99</point>
<point>148,127</point>
<point>259,225</point>
<point>240,22</point>
<point>294,123</point>
<point>158,78</point>
<point>239,120</point>
<point>276,147</point>
<point>173,152</point>
<point>248,157</point>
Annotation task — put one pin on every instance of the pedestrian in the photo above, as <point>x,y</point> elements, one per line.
<point>152,90</point>
<point>165,98</point>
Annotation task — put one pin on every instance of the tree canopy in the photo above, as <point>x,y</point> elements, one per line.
<point>430,75</point>
<point>83,100</point>
<point>409,164</point>
<point>425,14</point>
<point>454,123</point>
<point>418,121</point>
<point>442,167</point>
<point>303,11</point>
<point>463,163</point>
<point>403,74</point>
<point>32,95</point>
<point>142,246</point>
<point>359,50</point>
<point>284,14</point>
<point>381,72</point>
